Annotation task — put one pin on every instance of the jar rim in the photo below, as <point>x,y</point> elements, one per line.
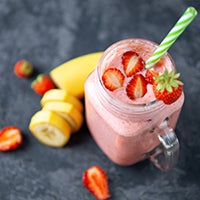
<point>155,104</point>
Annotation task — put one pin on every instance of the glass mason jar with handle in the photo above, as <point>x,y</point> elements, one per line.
<point>130,131</point>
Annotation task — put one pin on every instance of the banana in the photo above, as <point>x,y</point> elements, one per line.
<point>63,96</point>
<point>66,110</point>
<point>72,74</point>
<point>62,109</point>
<point>50,129</point>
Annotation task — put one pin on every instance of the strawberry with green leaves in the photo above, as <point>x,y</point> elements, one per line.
<point>167,87</point>
<point>23,69</point>
<point>42,84</point>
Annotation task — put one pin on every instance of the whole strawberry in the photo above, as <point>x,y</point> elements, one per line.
<point>167,87</point>
<point>42,84</point>
<point>23,69</point>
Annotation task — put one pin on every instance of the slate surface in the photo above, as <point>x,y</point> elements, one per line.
<point>50,32</point>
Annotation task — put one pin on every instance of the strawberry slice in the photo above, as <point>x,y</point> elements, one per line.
<point>137,87</point>
<point>96,181</point>
<point>150,76</point>
<point>167,87</point>
<point>10,138</point>
<point>113,79</point>
<point>132,63</point>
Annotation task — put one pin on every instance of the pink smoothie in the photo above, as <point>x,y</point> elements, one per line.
<point>124,129</point>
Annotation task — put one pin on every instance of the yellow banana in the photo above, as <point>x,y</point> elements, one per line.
<point>72,74</point>
<point>63,96</point>
<point>66,110</point>
<point>62,110</point>
<point>49,128</point>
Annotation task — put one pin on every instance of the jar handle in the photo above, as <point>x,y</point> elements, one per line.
<point>165,155</point>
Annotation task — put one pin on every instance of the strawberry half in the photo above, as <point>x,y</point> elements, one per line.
<point>10,138</point>
<point>137,87</point>
<point>113,79</point>
<point>132,63</point>
<point>150,76</point>
<point>23,69</point>
<point>167,87</point>
<point>96,181</point>
<point>42,84</point>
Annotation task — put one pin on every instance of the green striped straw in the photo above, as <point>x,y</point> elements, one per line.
<point>172,36</point>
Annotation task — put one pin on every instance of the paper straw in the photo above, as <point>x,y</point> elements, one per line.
<point>172,36</point>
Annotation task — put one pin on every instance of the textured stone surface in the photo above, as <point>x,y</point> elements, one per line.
<point>49,32</point>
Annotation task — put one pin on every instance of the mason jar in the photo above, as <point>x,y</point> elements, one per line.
<point>129,132</point>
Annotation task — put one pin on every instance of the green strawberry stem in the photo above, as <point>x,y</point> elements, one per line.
<point>168,81</point>
<point>27,68</point>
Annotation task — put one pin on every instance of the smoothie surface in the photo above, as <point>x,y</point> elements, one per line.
<point>144,50</point>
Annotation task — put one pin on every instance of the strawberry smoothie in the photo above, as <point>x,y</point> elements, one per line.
<point>126,128</point>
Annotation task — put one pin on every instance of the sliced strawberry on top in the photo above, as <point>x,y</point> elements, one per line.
<point>137,87</point>
<point>132,63</point>
<point>96,181</point>
<point>113,79</point>
<point>10,138</point>
<point>167,87</point>
<point>150,76</point>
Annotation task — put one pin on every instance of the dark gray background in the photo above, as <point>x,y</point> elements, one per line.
<point>50,32</point>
